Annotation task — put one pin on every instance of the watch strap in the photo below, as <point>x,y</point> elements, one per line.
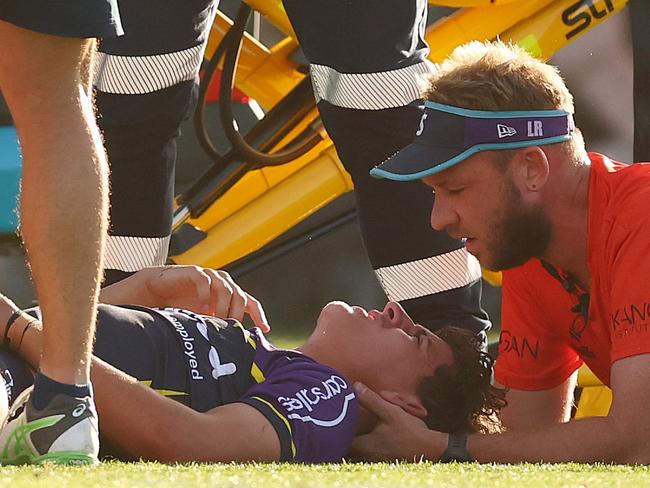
<point>456,449</point>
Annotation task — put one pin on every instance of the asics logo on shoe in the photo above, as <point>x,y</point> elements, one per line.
<point>505,131</point>
<point>79,410</point>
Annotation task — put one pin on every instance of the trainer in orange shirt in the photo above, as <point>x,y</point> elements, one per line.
<point>572,228</point>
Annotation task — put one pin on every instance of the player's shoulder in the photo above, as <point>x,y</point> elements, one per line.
<point>297,371</point>
<point>315,402</point>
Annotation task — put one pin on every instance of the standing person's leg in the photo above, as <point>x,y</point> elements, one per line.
<point>146,85</point>
<point>366,57</point>
<point>142,198</point>
<point>64,188</point>
<point>45,78</point>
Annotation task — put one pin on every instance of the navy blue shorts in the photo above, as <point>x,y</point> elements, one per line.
<point>15,373</point>
<point>139,342</point>
<point>68,18</point>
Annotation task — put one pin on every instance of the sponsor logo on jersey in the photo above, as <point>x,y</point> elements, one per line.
<point>188,347</point>
<point>304,401</point>
<point>505,131</point>
<point>218,369</point>
<point>630,320</point>
<point>520,346</point>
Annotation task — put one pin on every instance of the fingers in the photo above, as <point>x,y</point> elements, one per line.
<point>202,281</point>
<point>374,403</point>
<point>363,448</point>
<point>256,313</point>
<point>226,297</point>
<point>230,300</point>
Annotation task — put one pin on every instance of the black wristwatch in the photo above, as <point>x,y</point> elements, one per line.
<point>456,449</point>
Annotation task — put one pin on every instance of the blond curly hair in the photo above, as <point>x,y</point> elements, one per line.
<point>496,76</point>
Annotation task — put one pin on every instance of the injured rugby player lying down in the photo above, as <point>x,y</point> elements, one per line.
<point>173,385</point>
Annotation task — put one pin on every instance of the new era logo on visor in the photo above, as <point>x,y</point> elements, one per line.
<point>505,131</point>
<point>421,127</point>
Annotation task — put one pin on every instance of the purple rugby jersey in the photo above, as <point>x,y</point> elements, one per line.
<point>311,406</point>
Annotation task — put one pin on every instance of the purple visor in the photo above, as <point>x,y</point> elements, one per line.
<point>448,135</point>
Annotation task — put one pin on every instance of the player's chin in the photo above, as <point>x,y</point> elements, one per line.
<point>336,307</point>
<point>334,314</point>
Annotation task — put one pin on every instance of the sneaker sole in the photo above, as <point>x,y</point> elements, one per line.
<point>61,458</point>
<point>67,458</point>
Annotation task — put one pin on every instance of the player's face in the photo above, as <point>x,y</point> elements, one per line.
<point>477,201</point>
<point>384,349</point>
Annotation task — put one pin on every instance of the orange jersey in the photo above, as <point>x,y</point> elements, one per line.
<point>544,337</point>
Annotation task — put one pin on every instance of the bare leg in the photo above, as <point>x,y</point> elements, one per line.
<point>45,81</point>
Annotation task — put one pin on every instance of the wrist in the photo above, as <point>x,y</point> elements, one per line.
<point>18,330</point>
<point>431,444</point>
<point>144,283</point>
<point>134,289</point>
<point>25,339</point>
<point>8,321</point>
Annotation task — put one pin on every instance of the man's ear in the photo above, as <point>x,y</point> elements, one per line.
<point>411,404</point>
<point>532,170</point>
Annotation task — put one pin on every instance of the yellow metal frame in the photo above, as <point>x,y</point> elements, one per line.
<point>268,74</point>
<point>269,201</point>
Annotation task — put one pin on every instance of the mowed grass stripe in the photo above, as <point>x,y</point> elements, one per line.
<point>120,475</point>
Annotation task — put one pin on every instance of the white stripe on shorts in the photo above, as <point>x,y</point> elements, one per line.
<point>131,254</point>
<point>369,91</point>
<point>136,75</point>
<point>428,276</point>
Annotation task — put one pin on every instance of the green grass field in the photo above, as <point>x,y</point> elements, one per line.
<point>343,475</point>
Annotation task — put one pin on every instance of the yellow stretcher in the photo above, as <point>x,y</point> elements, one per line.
<point>240,210</point>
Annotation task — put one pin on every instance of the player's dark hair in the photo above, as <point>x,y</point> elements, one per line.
<point>460,396</point>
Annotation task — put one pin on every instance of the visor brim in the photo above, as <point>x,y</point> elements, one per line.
<point>417,161</point>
